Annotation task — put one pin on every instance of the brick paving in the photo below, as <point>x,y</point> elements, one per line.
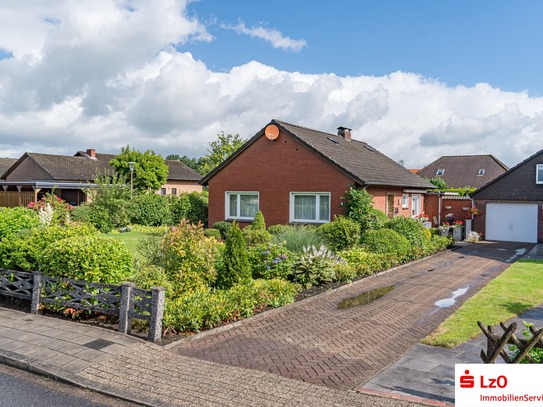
<point>315,342</point>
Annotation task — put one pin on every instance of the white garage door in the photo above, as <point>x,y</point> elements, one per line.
<point>511,222</point>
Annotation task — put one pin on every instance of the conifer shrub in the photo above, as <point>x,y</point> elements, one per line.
<point>236,267</point>
<point>258,222</point>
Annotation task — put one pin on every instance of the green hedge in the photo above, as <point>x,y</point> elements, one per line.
<point>13,220</point>
<point>386,241</point>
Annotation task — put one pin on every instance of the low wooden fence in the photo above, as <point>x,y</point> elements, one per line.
<point>496,344</point>
<point>125,301</point>
<point>10,199</point>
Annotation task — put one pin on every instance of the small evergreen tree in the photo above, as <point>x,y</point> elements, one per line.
<point>259,223</point>
<point>236,264</point>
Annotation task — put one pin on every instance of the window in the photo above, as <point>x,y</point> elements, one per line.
<point>162,191</point>
<point>481,171</point>
<point>241,205</point>
<point>405,201</point>
<point>174,191</point>
<point>539,174</point>
<point>310,207</point>
<point>440,171</point>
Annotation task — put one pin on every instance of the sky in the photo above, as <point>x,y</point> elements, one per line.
<point>415,79</point>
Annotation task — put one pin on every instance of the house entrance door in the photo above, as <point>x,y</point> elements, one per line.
<point>390,205</point>
<point>415,206</point>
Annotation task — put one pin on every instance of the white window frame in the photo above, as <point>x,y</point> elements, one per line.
<point>405,201</point>
<point>416,207</point>
<point>440,171</point>
<point>227,195</point>
<point>537,168</point>
<point>481,171</point>
<point>319,196</point>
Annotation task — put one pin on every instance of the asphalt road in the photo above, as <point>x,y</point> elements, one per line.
<point>22,389</point>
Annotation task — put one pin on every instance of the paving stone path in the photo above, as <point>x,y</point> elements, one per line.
<point>315,342</point>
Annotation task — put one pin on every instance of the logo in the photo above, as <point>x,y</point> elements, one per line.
<point>467,381</point>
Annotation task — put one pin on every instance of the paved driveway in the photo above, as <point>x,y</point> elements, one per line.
<point>316,342</point>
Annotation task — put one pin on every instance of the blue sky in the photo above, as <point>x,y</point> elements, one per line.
<point>414,79</point>
<point>458,42</point>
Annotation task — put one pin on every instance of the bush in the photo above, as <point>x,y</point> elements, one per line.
<point>213,233</point>
<point>81,213</point>
<point>270,261</point>
<point>198,207</point>
<point>91,258</point>
<point>24,251</point>
<point>341,233</point>
<point>345,272</point>
<point>51,210</point>
<point>295,238</point>
<point>179,207</point>
<point>236,265</point>
<point>149,209</point>
<point>314,266</point>
<point>206,308</point>
<point>258,222</point>
<point>278,229</point>
<point>375,219</point>
<point>386,241</point>
<point>13,220</point>
<point>148,276</point>
<point>109,215</point>
<point>366,263</point>
<point>412,230</point>
<point>223,227</point>
<point>189,257</point>
<point>254,237</point>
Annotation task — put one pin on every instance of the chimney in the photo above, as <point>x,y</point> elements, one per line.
<point>91,152</point>
<point>344,132</point>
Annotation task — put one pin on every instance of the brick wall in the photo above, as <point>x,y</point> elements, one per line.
<point>454,205</point>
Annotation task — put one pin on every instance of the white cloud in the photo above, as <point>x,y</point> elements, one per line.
<point>103,74</point>
<point>274,37</point>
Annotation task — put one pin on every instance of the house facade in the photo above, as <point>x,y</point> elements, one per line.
<point>33,175</point>
<point>298,175</point>
<point>511,205</point>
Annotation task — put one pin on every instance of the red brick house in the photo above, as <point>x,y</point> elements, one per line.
<point>297,175</point>
<point>33,175</point>
<point>512,204</point>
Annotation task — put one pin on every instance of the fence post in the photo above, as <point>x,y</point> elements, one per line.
<point>125,322</point>
<point>36,292</point>
<point>157,312</point>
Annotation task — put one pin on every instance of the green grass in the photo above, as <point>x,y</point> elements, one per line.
<point>130,239</point>
<point>516,290</point>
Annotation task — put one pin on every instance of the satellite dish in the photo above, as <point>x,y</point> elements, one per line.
<point>271,132</point>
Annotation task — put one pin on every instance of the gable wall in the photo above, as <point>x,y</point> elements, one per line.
<point>275,169</point>
<point>28,170</point>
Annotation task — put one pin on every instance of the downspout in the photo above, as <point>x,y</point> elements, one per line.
<point>439,208</point>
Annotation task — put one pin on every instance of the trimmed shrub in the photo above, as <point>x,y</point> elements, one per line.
<point>213,233</point>
<point>109,214</point>
<point>366,263</point>
<point>24,251</point>
<point>270,261</point>
<point>341,233</point>
<point>179,207</point>
<point>236,265</point>
<point>386,241</point>
<point>375,219</point>
<point>81,213</point>
<point>149,209</point>
<point>223,227</point>
<point>91,258</point>
<point>314,266</point>
<point>254,237</point>
<point>412,230</point>
<point>13,220</point>
<point>189,257</point>
<point>258,222</point>
<point>295,238</point>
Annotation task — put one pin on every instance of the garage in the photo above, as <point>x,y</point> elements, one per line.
<point>514,222</point>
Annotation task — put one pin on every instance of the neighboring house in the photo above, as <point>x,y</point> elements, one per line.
<point>33,175</point>
<point>512,204</point>
<point>460,171</point>
<point>298,175</point>
<point>181,178</point>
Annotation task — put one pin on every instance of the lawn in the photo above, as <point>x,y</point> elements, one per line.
<point>130,239</point>
<point>516,290</point>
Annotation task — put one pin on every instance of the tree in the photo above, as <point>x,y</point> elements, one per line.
<point>188,161</point>
<point>438,182</point>
<point>150,170</point>
<point>219,150</point>
<point>236,263</point>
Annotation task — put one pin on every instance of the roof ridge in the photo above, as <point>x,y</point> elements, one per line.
<point>316,131</point>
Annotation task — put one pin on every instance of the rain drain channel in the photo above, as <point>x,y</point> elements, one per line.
<point>366,297</point>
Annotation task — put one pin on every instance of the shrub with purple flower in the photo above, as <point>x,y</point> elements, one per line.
<point>270,261</point>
